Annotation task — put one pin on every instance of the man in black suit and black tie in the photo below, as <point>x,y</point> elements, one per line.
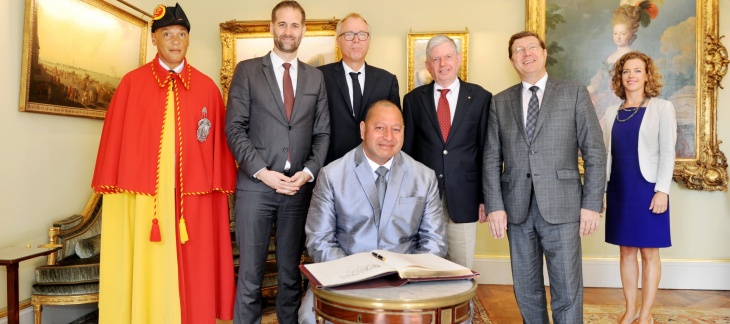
<point>277,124</point>
<point>445,129</point>
<point>348,100</point>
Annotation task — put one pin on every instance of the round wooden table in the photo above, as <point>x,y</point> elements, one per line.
<point>423,302</point>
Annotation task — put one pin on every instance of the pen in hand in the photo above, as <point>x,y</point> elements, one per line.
<point>382,258</point>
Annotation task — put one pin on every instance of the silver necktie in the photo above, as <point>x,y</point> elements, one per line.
<point>381,185</point>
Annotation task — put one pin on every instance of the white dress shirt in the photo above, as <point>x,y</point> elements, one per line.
<point>452,96</point>
<point>277,62</point>
<point>178,69</point>
<point>348,79</point>
<point>374,166</point>
<point>527,94</point>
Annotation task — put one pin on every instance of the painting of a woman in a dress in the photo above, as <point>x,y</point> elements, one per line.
<point>585,37</point>
<point>626,20</point>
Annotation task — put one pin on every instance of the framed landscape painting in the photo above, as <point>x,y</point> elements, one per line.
<point>75,53</point>
<point>583,39</point>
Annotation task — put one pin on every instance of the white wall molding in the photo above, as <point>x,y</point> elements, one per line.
<point>604,272</point>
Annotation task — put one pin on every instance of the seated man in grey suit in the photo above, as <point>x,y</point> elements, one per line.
<point>345,214</point>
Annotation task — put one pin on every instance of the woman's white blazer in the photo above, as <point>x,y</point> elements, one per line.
<point>657,140</point>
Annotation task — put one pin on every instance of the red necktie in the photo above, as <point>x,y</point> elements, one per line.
<point>444,114</point>
<point>288,91</point>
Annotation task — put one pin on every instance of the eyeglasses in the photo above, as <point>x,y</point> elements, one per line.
<point>521,50</point>
<point>363,36</point>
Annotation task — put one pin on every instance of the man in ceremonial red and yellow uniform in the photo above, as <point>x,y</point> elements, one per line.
<point>165,171</point>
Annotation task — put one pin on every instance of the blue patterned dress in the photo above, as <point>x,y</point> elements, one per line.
<point>629,222</point>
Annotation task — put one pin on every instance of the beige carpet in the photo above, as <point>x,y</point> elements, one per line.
<point>480,314</point>
<point>600,314</point>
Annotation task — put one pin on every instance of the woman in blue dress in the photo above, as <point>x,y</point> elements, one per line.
<point>640,136</point>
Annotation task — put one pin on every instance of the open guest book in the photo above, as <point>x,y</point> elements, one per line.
<point>381,268</point>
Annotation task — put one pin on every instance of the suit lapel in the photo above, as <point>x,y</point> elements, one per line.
<point>302,74</point>
<point>548,102</point>
<point>462,106</point>
<point>427,102</point>
<point>395,180</point>
<point>515,103</point>
<point>365,177</point>
<point>371,79</point>
<point>268,70</point>
<point>341,81</point>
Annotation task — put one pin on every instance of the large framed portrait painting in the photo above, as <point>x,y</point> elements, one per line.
<point>75,53</point>
<point>585,38</point>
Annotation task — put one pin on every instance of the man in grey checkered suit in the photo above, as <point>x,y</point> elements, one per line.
<point>532,183</point>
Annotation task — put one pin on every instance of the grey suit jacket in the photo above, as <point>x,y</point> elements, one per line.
<point>259,134</point>
<point>341,214</point>
<point>566,123</point>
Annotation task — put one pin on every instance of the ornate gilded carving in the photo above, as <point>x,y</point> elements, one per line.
<point>708,169</point>
<point>716,60</point>
<point>64,300</point>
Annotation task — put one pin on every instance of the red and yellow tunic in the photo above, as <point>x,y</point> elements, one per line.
<point>152,167</point>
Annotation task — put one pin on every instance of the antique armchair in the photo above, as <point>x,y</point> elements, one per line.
<point>71,275</point>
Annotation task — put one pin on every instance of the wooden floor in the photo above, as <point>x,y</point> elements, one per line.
<point>500,303</point>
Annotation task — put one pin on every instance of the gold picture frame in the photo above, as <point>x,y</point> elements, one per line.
<point>700,165</point>
<point>243,40</point>
<point>75,53</point>
<point>416,68</point>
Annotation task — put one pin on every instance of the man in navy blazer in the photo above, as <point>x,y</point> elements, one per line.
<point>450,144</point>
<point>353,39</point>
<point>277,124</point>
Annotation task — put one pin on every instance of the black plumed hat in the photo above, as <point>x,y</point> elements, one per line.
<point>168,16</point>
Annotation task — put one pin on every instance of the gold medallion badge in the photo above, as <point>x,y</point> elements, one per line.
<point>159,12</point>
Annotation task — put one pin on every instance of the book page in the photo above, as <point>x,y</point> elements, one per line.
<point>352,268</point>
<point>422,265</point>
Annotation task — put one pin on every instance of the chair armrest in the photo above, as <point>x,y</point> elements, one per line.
<point>52,237</point>
<point>69,222</point>
<point>78,227</point>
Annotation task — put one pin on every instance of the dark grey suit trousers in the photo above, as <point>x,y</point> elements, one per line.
<point>256,213</point>
<point>560,244</point>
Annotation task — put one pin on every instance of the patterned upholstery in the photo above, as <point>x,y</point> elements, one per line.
<point>88,247</point>
<point>69,271</point>
<point>68,279</point>
<point>67,290</point>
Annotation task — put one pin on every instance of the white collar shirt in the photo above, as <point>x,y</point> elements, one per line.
<point>348,79</point>
<point>452,96</point>
<point>277,63</point>
<point>527,94</point>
